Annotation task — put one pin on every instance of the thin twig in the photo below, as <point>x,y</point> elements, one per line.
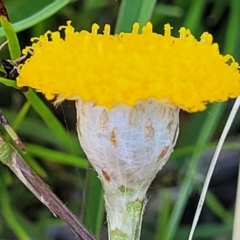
<point>10,157</point>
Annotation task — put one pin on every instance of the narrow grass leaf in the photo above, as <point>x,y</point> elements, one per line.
<point>134,11</point>
<point>56,156</point>
<point>93,205</point>
<point>50,120</point>
<point>205,231</point>
<point>218,209</point>
<point>39,16</point>
<point>21,228</point>
<point>21,115</point>
<point>232,36</point>
<point>205,132</point>
<point>8,83</point>
<point>13,44</point>
<point>164,213</point>
<point>194,16</point>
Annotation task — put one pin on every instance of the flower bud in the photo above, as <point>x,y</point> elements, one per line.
<point>127,146</point>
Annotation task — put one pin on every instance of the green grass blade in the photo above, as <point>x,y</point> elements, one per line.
<point>194,16</point>
<point>50,120</point>
<point>205,231</point>
<point>35,128</point>
<point>22,229</point>
<point>13,44</point>
<point>8,83</point>
<point>164,213</point>
<point>232,34</point>
<point>93,206</point>
<point>163,10</point>
<point>146,11</point>
<point>206,130</point>
<point>44,13</point>
<point>134,11</point>
<point>218,209</point>
<point>21,115</point>
<point>34,165</point>
<point>213,164</point>
<point>56,156</point>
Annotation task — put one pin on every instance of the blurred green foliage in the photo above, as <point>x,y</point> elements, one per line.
<point>49,133</point>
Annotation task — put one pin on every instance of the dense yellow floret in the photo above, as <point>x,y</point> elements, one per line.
<point>128,67</point>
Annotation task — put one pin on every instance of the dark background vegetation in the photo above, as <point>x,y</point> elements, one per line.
<point>66,170</point>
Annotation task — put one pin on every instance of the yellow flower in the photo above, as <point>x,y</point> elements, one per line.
<point>128,90</point>
<point>130,67</point>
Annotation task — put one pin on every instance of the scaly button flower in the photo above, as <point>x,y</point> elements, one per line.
<point>128,90</point>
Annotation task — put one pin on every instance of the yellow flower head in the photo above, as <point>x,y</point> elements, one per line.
<point>128,67</point>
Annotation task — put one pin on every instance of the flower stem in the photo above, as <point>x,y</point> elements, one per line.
<point>124,213</point>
